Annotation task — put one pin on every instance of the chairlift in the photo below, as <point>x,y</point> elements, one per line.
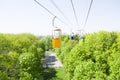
<point>56,37</point>
<point>72,36</point>
<point>81,34</point>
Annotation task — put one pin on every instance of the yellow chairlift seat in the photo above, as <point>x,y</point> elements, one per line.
<point>56,37</point>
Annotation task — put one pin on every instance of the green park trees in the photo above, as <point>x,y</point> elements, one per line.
<point>20,57</point>
<point>97,58</point>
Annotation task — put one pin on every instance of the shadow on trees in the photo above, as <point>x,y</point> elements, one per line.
<point>50,74</point>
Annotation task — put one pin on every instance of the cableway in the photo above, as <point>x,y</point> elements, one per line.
<point>56,37</point>
<point>73,8</point>
<point>49,11</point>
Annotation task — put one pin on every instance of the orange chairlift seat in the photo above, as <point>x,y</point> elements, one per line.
<point>56,37</point>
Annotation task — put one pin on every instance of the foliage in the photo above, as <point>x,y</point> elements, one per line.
<point>66,47</point>
<point>9,65</point>
<point>20,57</point>
<point>96,58</point>
<point>3,76</point>
<point>29,65</point>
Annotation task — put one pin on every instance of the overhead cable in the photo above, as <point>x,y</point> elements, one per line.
<point>88,13</point>
<point>74,12</point>
<point>60,11</point>
<point>49,11</point>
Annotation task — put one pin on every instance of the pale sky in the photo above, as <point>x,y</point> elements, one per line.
<point>26,16</point>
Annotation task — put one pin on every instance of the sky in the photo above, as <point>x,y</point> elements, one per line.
<point>26,16</point>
